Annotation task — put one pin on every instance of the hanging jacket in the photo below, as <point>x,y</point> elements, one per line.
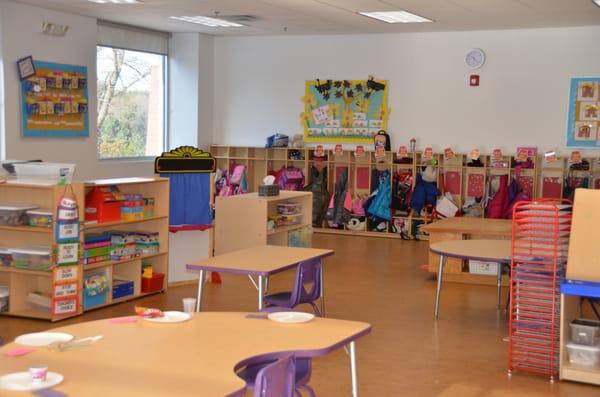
<point>318,187</point>
<point>424,193</point>
<point>498,205</point>
<point>381,204</point>
<point>340,205</point>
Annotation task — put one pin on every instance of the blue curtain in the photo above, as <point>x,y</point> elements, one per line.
<point>190,199</point>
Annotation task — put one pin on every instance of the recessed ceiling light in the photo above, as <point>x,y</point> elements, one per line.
<point>116,1</point>
<point>396,16</point>
<point>208,21</point>
<point>597,2</point>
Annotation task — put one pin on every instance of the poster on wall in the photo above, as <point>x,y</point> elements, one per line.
<point>54,101</point>
<point>583,127</point>
<point>344,110</point>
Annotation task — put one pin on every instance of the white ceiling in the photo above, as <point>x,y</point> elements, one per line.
<point>339,16</point>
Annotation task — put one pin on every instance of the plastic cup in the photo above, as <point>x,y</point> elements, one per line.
<point>38,373</point>
<point>189,305</point>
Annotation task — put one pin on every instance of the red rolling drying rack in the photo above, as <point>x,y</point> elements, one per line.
<point>540,242</point>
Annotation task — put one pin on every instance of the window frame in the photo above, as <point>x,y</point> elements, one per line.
<point>165,138</point>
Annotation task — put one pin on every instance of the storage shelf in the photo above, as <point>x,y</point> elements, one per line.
<point>114,262</point>
<point>29,229</point>
<point>30,313</point>
<point>285,229</point>
<point>90,226</point>
<point>23,271</point>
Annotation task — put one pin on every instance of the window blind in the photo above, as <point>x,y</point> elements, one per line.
<point>115,35</point>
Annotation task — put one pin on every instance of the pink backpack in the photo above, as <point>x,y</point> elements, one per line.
<point>290,178</point>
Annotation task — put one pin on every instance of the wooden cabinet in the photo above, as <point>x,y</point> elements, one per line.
<point>242,221</point>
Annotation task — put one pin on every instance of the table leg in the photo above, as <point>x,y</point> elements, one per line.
<point>200,290</point>
<point>261,292</point>
<point>499,285</point>
<point>353,369</point>
<point>439,285</point>
<point>322,288</point>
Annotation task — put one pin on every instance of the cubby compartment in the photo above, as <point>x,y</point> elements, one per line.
<point>30,295</point>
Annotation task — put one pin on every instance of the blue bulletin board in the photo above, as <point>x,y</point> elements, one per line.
<point>583,126</point>
<point>344,110</point>
<point>54,101</point>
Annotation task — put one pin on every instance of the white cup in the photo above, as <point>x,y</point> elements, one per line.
<point>189,305</point>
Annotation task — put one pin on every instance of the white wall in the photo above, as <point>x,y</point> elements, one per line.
<point>522,98</point>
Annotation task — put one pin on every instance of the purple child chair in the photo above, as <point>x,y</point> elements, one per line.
<point>307,287</point>
<point>276,379</point>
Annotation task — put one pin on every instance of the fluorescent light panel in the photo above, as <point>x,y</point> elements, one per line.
<point>396,16</point>
<point>208,21</point>
<point>597,2</point>
<point>116,1</point>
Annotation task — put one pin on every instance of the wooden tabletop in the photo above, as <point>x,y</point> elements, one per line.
<point>470,225</point>
<point>194,358</point>
<point>483,250</point>
<point>262,260</point>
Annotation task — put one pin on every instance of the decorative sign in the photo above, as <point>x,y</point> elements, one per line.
<point>319,151</point>
<point>185,159</point>
<point>584,113</point>
<point>497,154</point>
<point>54,100</point>
<point>67,231</point>
<point>360,151</point>
<point>550,156</point>
<point>26,68</point>
<point>67,254</point>
<point>475,153</point>
<point>61,307</point>
<point>428,153</point>
<point>403,151</point>
<point>576,157</point>
<point>448,153</point>
<point>66,274</point>
<point>65,290</point>
<point>379,152</point>
<point>338,150</point>
<point>344,110</point>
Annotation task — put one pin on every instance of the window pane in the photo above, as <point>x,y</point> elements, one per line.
<point>130,103</point>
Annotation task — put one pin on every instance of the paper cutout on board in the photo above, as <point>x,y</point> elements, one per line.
<point>583,126</point>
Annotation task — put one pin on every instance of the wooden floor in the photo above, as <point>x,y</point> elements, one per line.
<point>380,281</point>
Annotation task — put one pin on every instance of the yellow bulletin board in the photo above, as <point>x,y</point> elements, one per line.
<point>583,126</point>
<point>344,110</point>
<point>54,101</point>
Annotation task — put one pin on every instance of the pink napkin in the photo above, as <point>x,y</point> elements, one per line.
<point>123,320</point>
<point>18,351</point>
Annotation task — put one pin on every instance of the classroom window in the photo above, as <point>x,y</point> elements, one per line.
<point>131,103</point>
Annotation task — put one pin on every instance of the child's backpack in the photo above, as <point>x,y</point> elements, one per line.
<point>290,178</point>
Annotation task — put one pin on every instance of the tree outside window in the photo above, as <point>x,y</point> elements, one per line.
<point>130,103</point>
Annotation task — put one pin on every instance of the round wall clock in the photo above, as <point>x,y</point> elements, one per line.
<point>475,58</point>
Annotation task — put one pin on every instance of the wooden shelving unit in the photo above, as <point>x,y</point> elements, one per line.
<point>260,161</point>
<point>131,269</point>
<point>241,221</point>
<point>21,281</point>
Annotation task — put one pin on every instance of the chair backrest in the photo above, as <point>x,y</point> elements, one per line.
<point>276,379</point>
<point>307,286</point>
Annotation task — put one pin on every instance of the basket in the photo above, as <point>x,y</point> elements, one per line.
<point>268,190</point>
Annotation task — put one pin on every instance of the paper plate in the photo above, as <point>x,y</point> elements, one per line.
<point>43,338</point>
<point>169,317</point>
<point>21,381</point>
<point>291,317</point>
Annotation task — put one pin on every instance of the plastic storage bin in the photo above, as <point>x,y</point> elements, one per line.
<point>122,288</point>
<point>39,218</point>
<point>585,332</point>
<point>289,208</point>
<point>5,257</point>
<point>13,214</point>
<point>32,258</point>
<point>95,289</point>
<point>480,267</point>
<point>154,283</point>
<point>585,356</point>
<point>3,298</point>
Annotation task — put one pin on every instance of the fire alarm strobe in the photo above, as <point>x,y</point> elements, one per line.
<point>474,80</point>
